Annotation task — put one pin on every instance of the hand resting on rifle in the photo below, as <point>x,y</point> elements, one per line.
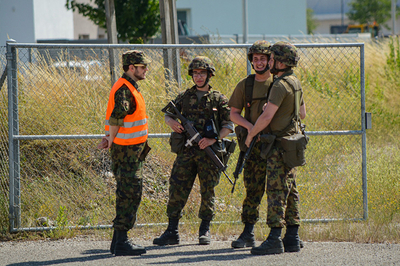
<point>175,125</point>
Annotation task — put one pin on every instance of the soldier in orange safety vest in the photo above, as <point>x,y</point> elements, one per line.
<point>126,136</point>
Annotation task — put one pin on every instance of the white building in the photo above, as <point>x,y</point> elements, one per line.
<point>225,17</point>
<point>27,21</point>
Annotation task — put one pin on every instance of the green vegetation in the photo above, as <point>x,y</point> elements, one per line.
<point>311,23</point>
<point>370,11</point>
<point>137,21</point>
<point>68,181</point>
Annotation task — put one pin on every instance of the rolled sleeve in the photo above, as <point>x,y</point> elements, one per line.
<point>116,122</point>
<point>228,125</point>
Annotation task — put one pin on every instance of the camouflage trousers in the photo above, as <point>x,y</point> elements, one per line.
<point>188,164</point>
<point>254,176</point>
<point>127,169</point>
<point>282,193</point>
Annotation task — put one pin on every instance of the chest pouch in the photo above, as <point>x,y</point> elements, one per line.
<point>210,131</point>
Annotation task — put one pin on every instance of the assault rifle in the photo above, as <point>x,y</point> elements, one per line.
<point>243,156</point>
<point>194,137</point>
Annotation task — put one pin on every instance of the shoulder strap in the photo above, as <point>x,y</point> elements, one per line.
<point>215,95</point>
<point>248,95</point>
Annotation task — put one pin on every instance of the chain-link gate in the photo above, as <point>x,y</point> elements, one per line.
<point>57,97</point>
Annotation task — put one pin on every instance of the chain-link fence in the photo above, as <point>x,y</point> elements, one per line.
<point>58,96</point>
<point>4,188</point>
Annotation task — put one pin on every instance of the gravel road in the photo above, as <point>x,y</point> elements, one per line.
<point>95,252</point>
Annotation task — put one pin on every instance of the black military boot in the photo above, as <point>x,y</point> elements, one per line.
<point>273,244</point>
<point>291,240</point>
<point>124,247</point>
<point>112,247</point>
<point>246,238</point>
<point>170,236</point>
<point>204,233</point>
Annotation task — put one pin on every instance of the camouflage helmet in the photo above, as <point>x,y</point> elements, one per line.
<point>134,57</point>
<point>201,62</point>
<point>286,53</point>
<point>259,47</point>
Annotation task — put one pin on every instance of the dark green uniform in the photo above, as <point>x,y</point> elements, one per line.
<point>198,107</point>
<point>126,165</point>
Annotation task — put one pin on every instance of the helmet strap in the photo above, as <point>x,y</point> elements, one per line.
<point>275,70</point>
<point>260,72</point>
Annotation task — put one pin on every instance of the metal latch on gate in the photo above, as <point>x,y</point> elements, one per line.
<point>368,121</point>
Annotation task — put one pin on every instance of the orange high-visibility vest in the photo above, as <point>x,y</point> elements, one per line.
<point>135,128</point>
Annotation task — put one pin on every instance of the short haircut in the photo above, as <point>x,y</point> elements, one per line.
<point>125,67</point>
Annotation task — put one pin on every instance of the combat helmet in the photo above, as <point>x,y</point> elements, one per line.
<point>259,47</point>
<point>286,53</point>
<point>201,62</point>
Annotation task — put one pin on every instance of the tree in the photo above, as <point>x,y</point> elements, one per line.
<point>137,20</point>
<point>311,23</point>
<point>370,11</point>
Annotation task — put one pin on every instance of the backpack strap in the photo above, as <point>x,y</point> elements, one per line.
<point>249,85</point>
<point>215,96</point>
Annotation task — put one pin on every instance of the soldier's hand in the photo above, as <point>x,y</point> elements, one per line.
<point>103,144</point>
<point>176,126</point>
<point>205,142</point>
<point>248,140</point>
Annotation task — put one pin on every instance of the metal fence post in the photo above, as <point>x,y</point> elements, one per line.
<point>364,134</point>
<point>13,129</point>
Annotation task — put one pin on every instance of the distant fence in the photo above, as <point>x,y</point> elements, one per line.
<point>294,38</point>
<point>52,117</point>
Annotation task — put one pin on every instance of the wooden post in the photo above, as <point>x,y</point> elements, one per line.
<point>111,36</point>
<point>169,31</point>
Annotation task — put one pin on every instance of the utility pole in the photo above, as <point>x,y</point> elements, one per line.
<point>169,31</point>
<point>394,18</point>
<point>245,27</point>
<point>111,36</point>
<point>342,11</point>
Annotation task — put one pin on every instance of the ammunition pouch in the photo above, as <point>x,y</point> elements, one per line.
<point>294,149</point>
<point>177,142</point>
<point>267,141</point>
<point>223,149</point>
<point>145,151</point>
<point>241,135</point>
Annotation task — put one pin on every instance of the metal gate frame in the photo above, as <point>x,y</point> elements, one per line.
<point>15,137</point>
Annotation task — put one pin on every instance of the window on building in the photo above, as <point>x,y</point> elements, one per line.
<point>83,36</point>
<point>183,28</point>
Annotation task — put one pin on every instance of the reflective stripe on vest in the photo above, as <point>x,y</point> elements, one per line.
<point>135,128</point>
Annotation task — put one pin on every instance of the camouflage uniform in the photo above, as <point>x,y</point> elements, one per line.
<point>128,155</point>
<point>126,165</point>
<point>283,196</point>
<point>254,173</point>
<point>193,161</point>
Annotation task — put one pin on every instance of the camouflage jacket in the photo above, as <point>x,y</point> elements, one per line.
<point>213,105</point>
